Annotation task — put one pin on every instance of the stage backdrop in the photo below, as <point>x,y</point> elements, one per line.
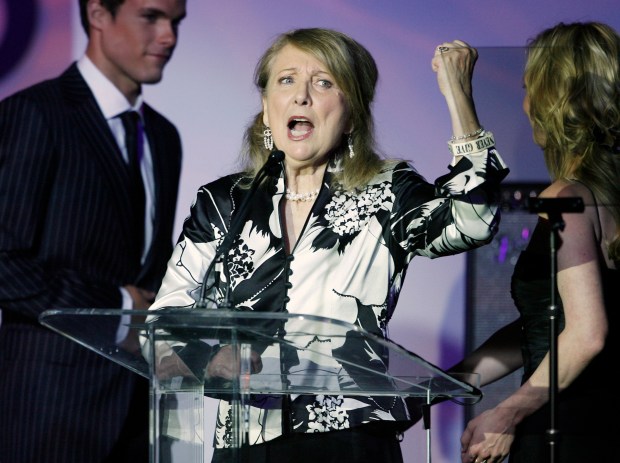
<point>207,91</point>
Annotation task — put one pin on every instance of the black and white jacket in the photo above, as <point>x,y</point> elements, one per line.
<point>348,264</point>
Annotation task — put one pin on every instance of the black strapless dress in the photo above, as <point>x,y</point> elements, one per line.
<point>588,410</point>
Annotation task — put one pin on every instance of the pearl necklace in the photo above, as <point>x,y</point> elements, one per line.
<point>310,196</point>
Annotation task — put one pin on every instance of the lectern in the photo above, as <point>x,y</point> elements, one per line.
<point>270,355</point>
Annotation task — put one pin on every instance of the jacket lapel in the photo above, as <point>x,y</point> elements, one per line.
<point>87,119</point>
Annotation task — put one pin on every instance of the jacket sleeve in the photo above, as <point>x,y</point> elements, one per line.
<point>459,212</point>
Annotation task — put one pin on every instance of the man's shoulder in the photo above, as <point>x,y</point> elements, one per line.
<point>46,92</point>
<point>45,88</point>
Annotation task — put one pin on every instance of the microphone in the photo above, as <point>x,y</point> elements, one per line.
<point>272,168</point>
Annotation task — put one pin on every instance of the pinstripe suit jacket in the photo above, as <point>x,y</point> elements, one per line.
<point>65,242</point>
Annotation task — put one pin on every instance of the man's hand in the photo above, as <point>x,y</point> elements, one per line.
<point>142,300</point>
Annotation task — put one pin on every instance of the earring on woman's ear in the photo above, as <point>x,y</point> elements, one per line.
<point>350,142</point>
<point>268,139</point>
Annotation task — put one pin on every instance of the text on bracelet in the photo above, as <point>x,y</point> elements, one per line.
<point>474,146</point>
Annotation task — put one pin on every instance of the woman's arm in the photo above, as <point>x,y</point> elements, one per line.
<point>583,337</point>
<point>497,357</point>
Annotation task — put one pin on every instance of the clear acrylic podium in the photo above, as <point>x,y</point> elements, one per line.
<point>298,354</point>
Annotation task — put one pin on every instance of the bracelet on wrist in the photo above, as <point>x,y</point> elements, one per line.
<point>473,146</point>
<point>475,133</point>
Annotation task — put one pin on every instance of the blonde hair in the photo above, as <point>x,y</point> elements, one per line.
<point>355,72</point>
<point>572,77</point>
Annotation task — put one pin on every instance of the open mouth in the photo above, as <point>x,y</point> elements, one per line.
<point>299,127</point>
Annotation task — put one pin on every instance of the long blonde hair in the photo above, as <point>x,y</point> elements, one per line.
<point>355,72</point>
<point>572,77</point>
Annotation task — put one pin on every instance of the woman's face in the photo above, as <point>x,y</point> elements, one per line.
<point>304,107</point>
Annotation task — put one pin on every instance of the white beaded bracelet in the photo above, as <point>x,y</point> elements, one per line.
<point>475,133</point>
<point>472,147</point>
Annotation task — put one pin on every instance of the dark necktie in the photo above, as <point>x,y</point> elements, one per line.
<point>133,142</point>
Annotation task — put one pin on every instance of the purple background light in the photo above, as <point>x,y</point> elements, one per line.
<point>207,91</point>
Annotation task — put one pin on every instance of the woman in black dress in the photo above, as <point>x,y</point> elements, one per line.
<point>572,82</point>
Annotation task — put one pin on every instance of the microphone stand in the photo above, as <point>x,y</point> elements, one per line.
<point>554,208</point>
<point>271,168</point>
<point>239,399</point>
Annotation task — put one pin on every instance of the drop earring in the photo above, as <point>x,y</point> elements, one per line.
<point>268,139</point>
<point>350,143</point>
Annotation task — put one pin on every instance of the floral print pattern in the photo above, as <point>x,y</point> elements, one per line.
<point>348,264</point>
<point>348,213</point>
<point>326,414</point>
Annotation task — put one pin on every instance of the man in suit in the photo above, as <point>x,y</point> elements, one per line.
<point>69,236</point>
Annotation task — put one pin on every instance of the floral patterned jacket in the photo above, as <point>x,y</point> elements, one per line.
<point>348,264</point>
